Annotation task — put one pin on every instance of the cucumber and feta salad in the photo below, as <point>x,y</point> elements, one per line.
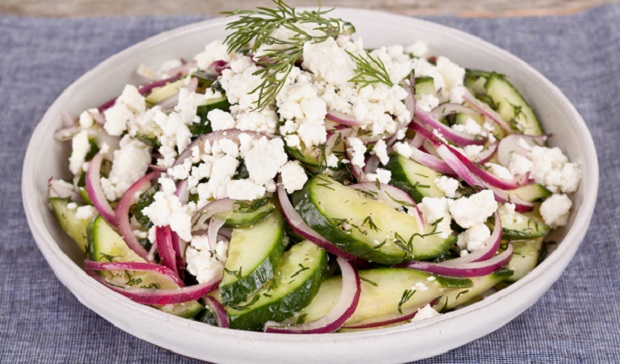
<point>297,180</point>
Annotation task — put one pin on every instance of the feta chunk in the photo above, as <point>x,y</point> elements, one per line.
<point>293,176</point>
<point>381,175</point>
<point>244,189</point>
<point>264,159</point>
<point>328,61</point>
<point>424,313</point>
<point>403,149</point>
<point>552,169</point>
<point>85,212</point>
<point>127,106</point>
<point>380,150</point>
<point>220,120</point>
<point>499,171</point>
<point>447,185</point>
<point>80,146</point>
<point>357,150</point>
<point>214,51</point>
<point>473,210</point>
<point>130,163</point>
<point>555,210</point>
<point>474,238</point>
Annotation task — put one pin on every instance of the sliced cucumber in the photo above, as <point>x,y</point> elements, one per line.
<point>248,213</point>
<point>417,180</point>
<point>474,81</point>
<point>511,105</point>
<point>159,94</point>
<point>74,227</point>
<point>296,282</point>
<point>523,226</point>
<point>204,126</point>
<point>365,227</point>
<point>458,297</point>
<point>424,86</point>
<point>253,254</point>
<point>106,245</point>
<point>307,158</point>
<point>383,292</point>
<point>184,310</point>
<point>524,257</point>
<point>532,193</point>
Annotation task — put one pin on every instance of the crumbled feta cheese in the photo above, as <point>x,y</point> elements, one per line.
<point>72,206</point>
<point>403,149</point>
<point>380,150</point>
<point>435,210</point>
<point>474,238</point>
<point>357,150</point>
<point>127,106</point>
<point>381,175</point>
<point>418,49</point>
<point>244,189</point>
<point>166,68</point>
<point>473,210</point>
<point>555,210</point>
<point>499,171</point>
<point>204,264</point>
<point>424,68</point>
<point>293,176</point>
<point>427,102</point>
<point>130,163</point>
<point>167,209</point>
<point>264,159</point>
<point>86,119</point>
<point>552,168</point>
<point>220,120</point>
<point>447,185</point>
<point>214,51</point>
<point>420,287</point>
<point>519,164</point>
<point>80,146</point>
<point>424,313</point>
<point>85,212</point>
<point>328,61</point>
<point>469,126</point>
<point>292,141</point>
<point>331,161</point>
<point>472,151</point>
<point>452,73</point>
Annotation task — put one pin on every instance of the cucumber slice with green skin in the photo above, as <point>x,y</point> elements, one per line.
<point>253,255</point>
<point>249,213</point>
<point>424,86</point>
<point>365,227</point>
<point>474,81</point>
<point>412,177</point>
<point>204,125</point>
<point>383,292</point>
<point>532,193</point>
<point>458,297</point>
<point>74,227</point>
<point>159,94</point>
<point>523,226</point>
<point>524,257</point>
<point>511,105</point>
<point>304,157</point>
<point>185,310</point>
<point>106,245</point>
<point>296,282</point>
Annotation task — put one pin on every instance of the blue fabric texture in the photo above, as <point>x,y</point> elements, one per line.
<point>576,321</point>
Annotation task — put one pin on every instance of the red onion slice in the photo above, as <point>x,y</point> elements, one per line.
<point>458,167</point>
<point>296,222</point>
<point>219,311</point>
<point>122,213</point>
<point>430,161</point>
<point>371,165</point>
<point>165,249</point>
<point>95,192</point>
<point>485,110</point>
<point>148,88</point>
<point>137,266</point>
<point>162,296</point>
<point>338,315</point>
<point>222,205</point>
<point>214,227</point>
<point>457,137</point>
<point>182,191</point>
<point>342,118</point>
<point>486,154</point>
<point>473,269</point>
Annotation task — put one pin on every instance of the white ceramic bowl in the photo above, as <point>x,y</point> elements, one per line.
<point>46,157</point>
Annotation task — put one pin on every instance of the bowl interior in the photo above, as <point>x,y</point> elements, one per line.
<point>46,157</point>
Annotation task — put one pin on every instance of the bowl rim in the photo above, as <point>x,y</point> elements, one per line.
<point>81,285</point>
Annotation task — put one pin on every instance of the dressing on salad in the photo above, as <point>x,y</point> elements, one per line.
<point>289,179</point>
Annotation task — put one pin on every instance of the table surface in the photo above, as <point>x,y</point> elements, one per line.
<point>576,321</point>
<point>468,8</point>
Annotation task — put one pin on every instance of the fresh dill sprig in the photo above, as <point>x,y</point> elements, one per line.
<point>370,70</point>
<point>255,28</point>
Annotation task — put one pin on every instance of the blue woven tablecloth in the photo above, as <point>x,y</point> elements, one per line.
<point>578,320</point>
